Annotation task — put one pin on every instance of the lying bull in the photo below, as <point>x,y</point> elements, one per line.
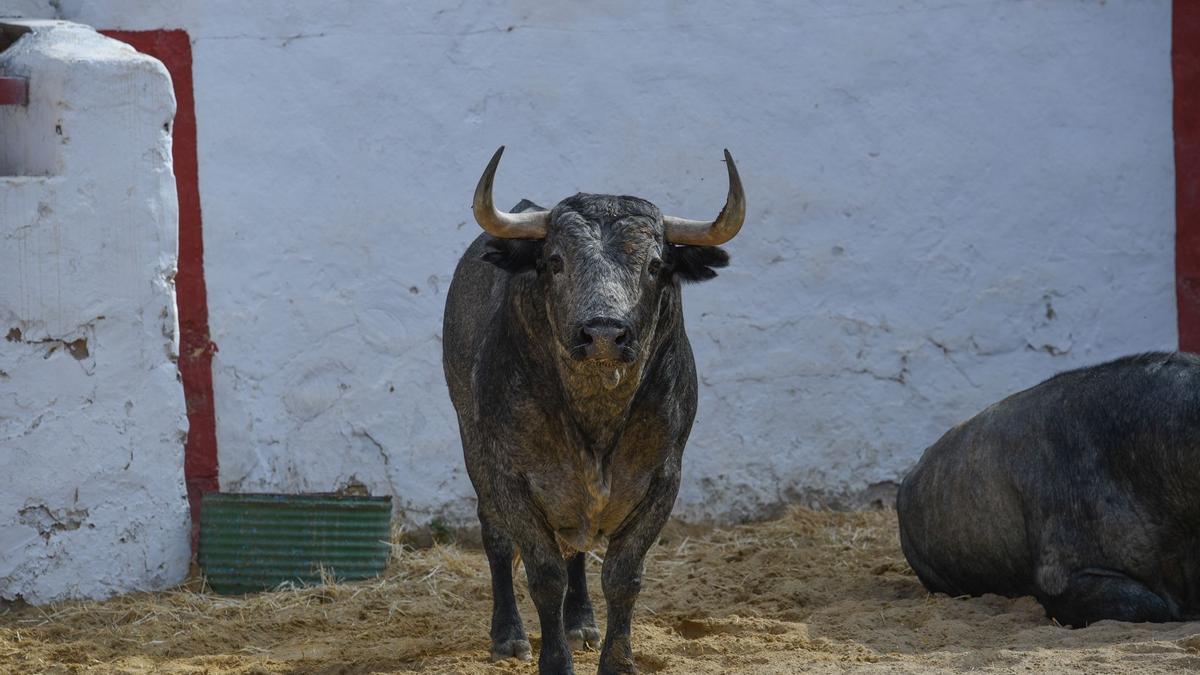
<point>575,387</point>
<point>1083,491</point>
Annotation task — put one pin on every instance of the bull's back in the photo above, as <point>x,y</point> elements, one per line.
<point>1085,469</point>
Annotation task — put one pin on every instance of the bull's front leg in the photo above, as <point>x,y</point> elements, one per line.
<point>508,633</point>
<point>547,574</point>
<point>578,617</point>
<point>622,573</point>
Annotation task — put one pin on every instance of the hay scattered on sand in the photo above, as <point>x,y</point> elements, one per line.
<point>819,592</point>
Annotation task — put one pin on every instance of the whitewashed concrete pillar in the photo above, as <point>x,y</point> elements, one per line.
<point>92,420</point>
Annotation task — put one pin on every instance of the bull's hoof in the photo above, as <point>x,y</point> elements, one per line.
<point>624,667</point>
<point>583,638</point>
<point>512,649</point>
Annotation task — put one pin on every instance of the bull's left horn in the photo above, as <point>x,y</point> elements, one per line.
<point>528,225</point>
<point>712,232</point>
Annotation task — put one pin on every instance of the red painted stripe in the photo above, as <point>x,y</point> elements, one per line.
<point>13,91</point>
<point>1185,64</point>
<point>174,49</point>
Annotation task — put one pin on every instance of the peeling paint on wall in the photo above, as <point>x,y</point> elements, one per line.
<point>47,522</point>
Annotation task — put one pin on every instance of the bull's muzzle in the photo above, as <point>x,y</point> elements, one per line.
<point>604,339</point>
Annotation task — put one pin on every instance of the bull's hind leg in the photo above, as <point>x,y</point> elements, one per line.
<point>578,617</point>
<point>1095,594</point>
<point>508,633</point>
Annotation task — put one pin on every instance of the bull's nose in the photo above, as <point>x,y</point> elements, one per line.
<point>603,338</point>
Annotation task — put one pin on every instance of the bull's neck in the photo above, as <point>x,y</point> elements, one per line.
<point>598,396</point>
<point>598,410</point>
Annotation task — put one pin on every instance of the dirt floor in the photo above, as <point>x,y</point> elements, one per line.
<point>810,592</point>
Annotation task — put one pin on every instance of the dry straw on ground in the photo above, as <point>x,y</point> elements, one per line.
<point>810,592</point>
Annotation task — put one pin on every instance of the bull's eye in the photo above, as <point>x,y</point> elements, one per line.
<point>556,263</point>
<point>655,267</point>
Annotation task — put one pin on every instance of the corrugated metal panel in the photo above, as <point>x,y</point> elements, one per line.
<point>252,542</point>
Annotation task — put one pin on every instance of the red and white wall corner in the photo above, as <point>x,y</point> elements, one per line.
<point>174,49</point>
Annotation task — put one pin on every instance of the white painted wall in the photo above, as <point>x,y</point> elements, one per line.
<point>92,423</point>
<point>948,201</point>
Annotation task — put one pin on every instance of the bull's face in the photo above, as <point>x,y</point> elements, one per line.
<point>601,268</point>
<point>606,265</point>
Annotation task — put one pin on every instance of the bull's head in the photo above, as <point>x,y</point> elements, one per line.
<point>607,265</point>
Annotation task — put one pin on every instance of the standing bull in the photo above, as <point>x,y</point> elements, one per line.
<point>1083,491</point>
<point>575,387</point>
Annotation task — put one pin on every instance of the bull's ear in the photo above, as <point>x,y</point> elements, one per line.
<point>513,255</point>
<point>696,263</point>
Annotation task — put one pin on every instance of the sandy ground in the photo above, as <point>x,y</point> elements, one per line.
<point>810,592</point>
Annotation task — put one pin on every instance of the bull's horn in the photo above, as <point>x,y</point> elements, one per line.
<point>528,225</point>
<point>712,232</point>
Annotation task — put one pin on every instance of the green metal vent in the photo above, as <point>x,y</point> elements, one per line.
<point>253,542</point>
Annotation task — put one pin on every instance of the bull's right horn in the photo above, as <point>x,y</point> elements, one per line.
<point>712,232</point>
<point>528,225</point>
